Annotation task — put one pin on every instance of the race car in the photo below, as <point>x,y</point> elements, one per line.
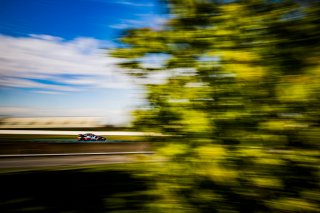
<point>90,137</point>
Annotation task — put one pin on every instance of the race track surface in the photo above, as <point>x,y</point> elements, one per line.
<point>71,147</point>
<point>64,152</point>
<point>36,162</point>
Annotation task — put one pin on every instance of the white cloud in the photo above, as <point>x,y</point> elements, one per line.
<point>46,37</point>
<point>121,26</point>
<point>29,62</point>
<point>136,4</point>
<point>153,21</point>
<point>48,92</point>
<point>132,3</point>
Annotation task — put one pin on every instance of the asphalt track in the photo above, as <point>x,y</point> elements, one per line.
<point>37,161</point>
<point>64,146</point>
<point>69,153</point>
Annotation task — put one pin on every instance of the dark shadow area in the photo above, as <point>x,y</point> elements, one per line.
<point>72,191</point>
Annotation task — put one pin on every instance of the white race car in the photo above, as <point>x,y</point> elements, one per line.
<point>90,137</point>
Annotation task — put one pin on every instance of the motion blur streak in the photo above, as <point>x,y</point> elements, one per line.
<point>244,82</point>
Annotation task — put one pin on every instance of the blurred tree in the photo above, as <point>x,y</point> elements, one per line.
<point>243,97</point>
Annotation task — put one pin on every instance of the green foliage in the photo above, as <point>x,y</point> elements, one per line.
<point>243,97</point>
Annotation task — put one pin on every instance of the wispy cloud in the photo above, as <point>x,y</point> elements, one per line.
<point>153,21</point>
<point>48,92</point>
<point>73,65</point>
<point>121,26</point>
<point>134,4</point>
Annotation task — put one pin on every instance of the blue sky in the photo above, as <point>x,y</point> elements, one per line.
<point>53,61</point>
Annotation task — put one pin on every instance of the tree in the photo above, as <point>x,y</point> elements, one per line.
<point>242,96</point>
